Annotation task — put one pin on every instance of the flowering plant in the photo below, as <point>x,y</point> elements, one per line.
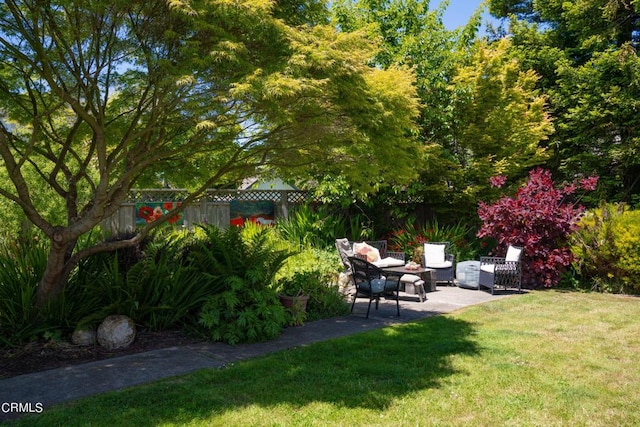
<point>539,218</point>
<point>151,211</point>
<point>410,239</point>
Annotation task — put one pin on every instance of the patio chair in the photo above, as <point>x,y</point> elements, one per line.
<point>372,284</point>
<point>383,257</point>
<point>504,271</point>
<point>436,256</point>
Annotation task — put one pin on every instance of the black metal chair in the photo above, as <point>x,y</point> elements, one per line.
<point>505,272</point>
<point>372,284</point>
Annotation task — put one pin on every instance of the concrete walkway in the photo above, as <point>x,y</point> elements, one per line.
<point>66,384</point>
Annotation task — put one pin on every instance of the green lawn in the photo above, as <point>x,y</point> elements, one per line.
<point>543,359</point>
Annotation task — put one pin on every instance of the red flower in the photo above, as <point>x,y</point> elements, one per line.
<point>174,219</point>
<point>498,180</point>
<point>589,184</point>
<point>145,212</point>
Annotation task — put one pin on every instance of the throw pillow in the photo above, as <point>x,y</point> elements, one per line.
<point>433,254</point>
<point>371,253</point>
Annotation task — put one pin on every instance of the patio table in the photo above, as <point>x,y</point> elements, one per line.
<point>428,276</point>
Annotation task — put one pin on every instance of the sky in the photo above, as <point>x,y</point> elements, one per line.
<point>459,12</point>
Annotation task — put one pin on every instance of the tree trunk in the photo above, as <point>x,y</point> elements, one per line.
<point>56,273</point>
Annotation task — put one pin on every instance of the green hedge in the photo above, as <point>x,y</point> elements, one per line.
<point>607,249</point>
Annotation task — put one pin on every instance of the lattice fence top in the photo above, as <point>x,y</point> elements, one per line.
<point>217,196</point>
<point>157,195</point>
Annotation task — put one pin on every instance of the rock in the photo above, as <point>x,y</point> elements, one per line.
<point>116,332</point>
<point>84,336</point>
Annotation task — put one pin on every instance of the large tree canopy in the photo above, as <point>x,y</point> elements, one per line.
<point>480,111</point>
<point>586,55</point>
<point>96,97</point>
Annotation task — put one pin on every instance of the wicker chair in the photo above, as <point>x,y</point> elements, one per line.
<point>436,256</point>
<point>372,284</point>
<point>505,272</point>
<point>345,250</point>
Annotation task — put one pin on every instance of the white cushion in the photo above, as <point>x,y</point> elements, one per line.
<point>388,262</point>
<point>443,264</point>
<point>367,250</point>
<point>410,278</point>
<point>488,268</point>
<point>513,254</point>
<point>433,254</point>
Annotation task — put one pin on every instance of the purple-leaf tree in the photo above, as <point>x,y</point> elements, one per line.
<point>539,218</point>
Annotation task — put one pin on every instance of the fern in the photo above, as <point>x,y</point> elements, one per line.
<point>246,262</point>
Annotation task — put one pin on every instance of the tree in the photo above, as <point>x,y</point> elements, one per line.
<point>586,55</point>
<point>411,34</point>
<point>500,118</point>
<point>96,97</point>
<point>480,112</point>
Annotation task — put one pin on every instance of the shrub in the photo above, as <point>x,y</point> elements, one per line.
<point>540,218</point>
<point>410,238</point>
<point>242,314</point>
<point>316,273</point>
<point>606,247</point>
<point>248,308</point>
<point>99,287</point>
<point>325,263</point>
<point>22,263</point>
<point>320,226</point>
<point>165,288</point>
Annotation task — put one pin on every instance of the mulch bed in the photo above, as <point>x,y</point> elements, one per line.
<point>41,356</point>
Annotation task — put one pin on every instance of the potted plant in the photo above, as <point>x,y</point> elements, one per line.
<point>294,292</point>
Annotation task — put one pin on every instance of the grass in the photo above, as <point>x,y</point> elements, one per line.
<point>540,359</point>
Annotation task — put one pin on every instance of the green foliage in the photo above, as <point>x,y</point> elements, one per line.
<point>500,117</point>
<point>183,276</point>
<point>411,33</point>
<point>481,113</point>
<point>220,282</point>
<point>248,308</point>
<point>194,93</point>
<point>319,226</point>
<point>585,53</point>
<point>22,261</point>
<point>599,102</point>
<point>325,263</point>
<point>315,272</point>
<point>300,283</point>
<point>307,226</point>
<point>607,249</point>
<point>253,253</point>
<point>410,238</point>
<point>161,290</point>
<point>242,314</point>
<point>167,292</point>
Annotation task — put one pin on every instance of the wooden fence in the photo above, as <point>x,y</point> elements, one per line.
<point>213,208</point>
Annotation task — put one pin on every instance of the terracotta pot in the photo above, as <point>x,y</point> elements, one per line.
<point>296,304</point>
